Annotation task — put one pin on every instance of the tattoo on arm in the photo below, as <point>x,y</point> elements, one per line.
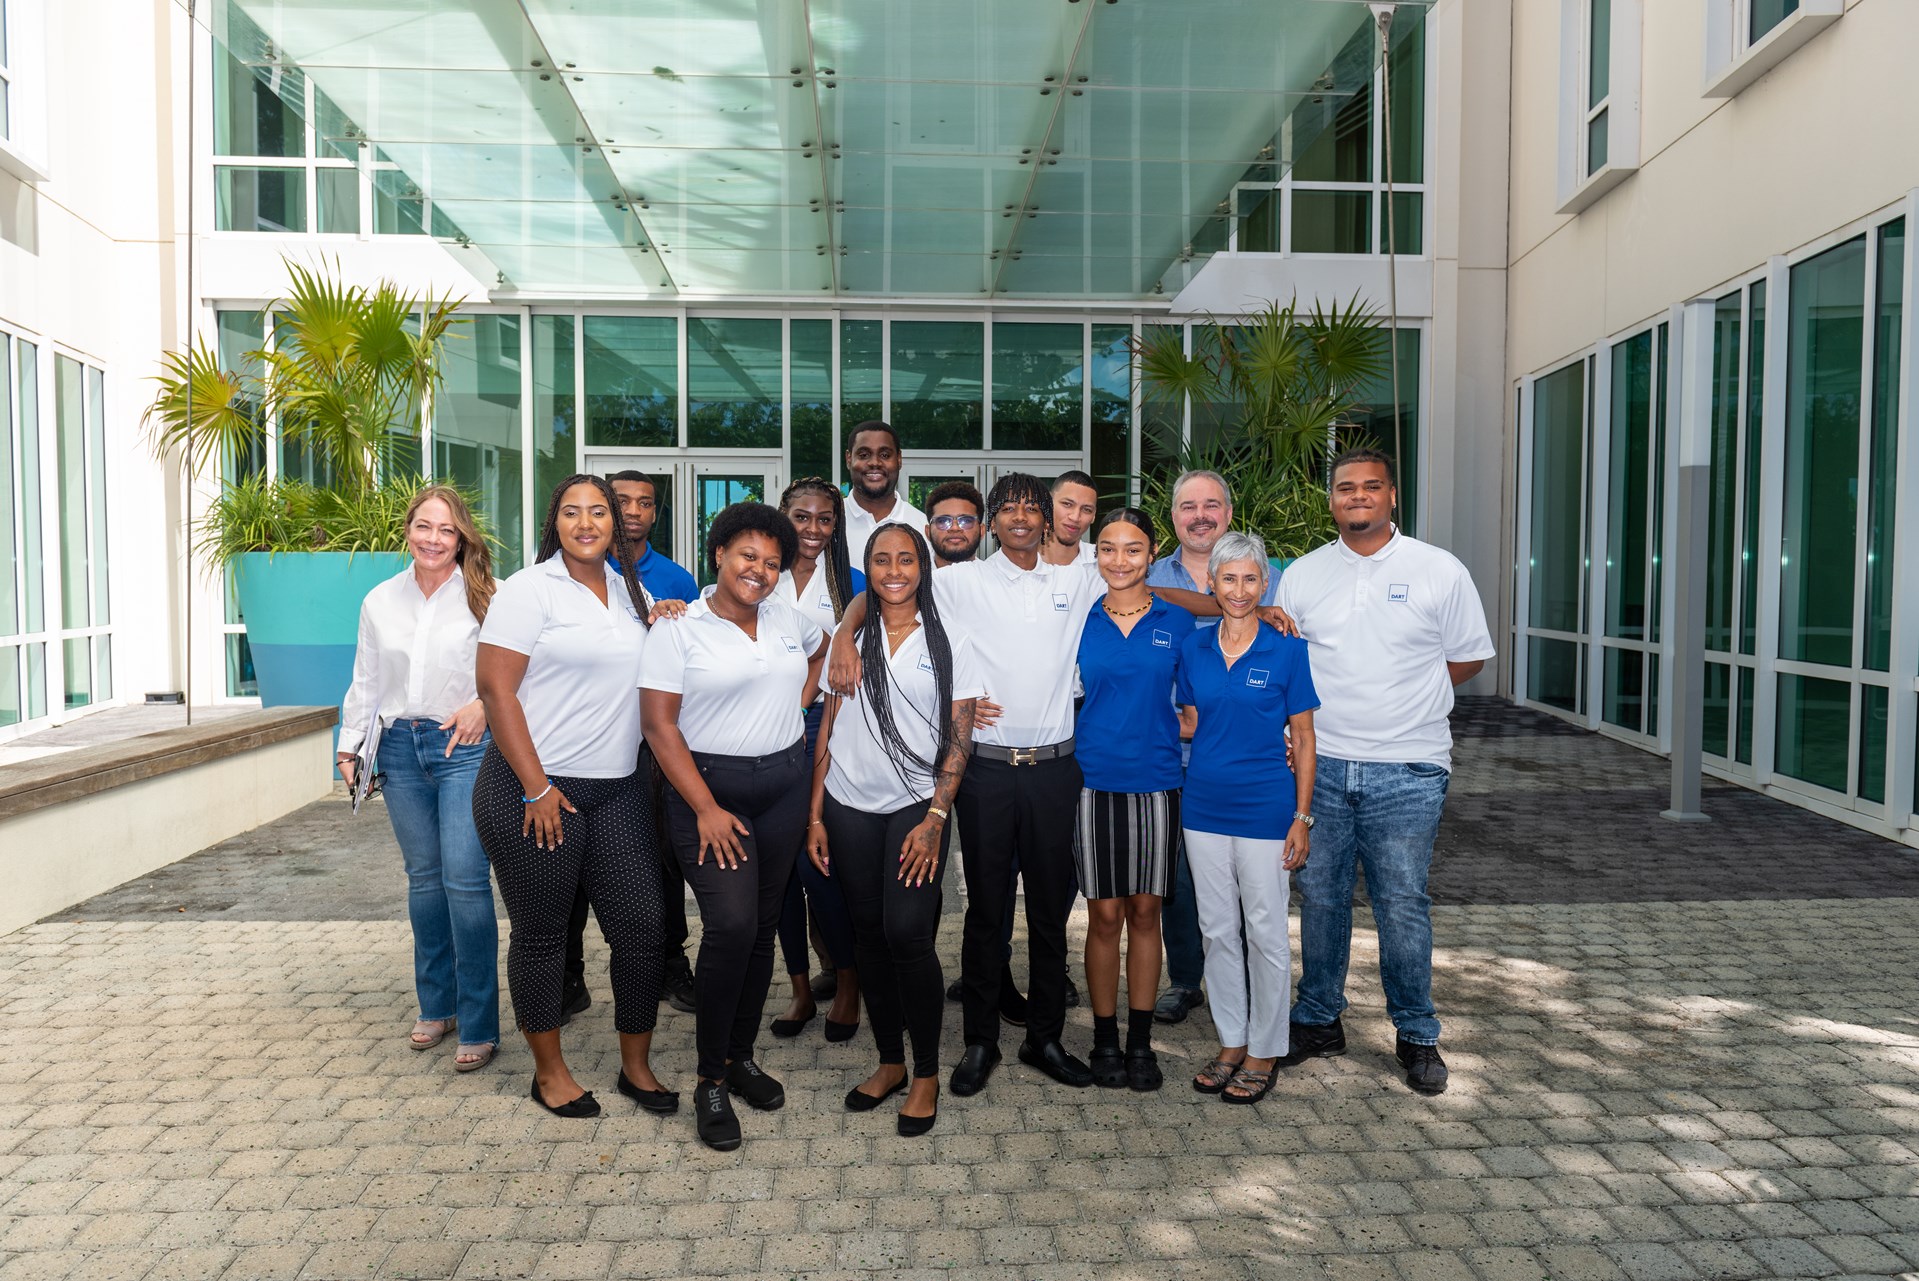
<point>957,752</point>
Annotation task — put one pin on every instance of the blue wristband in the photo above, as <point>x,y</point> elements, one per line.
<point>528,800</point>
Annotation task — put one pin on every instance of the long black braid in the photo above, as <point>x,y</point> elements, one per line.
<point>622,550</point>
<point>875,667</point>
<point>839,561</point>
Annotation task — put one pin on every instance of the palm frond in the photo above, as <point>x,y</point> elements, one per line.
<point>203,412</point>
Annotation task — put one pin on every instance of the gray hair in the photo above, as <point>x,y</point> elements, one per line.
<point>1236,546</point>
<point>1185,477</point>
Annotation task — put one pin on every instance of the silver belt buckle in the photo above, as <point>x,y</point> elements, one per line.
<point>1024,756</point>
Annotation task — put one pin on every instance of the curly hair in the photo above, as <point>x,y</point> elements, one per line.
<point>751,518</point>
<point>1019,486</point>
<point>839,560</point>
<point>622,550</point>
<point>947,490</point>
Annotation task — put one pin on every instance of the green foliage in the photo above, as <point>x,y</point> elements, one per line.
<point>257,515</point>
<point>1283,500</point>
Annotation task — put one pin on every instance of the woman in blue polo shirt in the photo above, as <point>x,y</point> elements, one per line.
<point>1127,741</point>
<point>1249,687</point>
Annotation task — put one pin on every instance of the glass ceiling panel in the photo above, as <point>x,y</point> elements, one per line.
<point>851,147</point>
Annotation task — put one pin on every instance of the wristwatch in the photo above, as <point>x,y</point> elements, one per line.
<point>1301,816</point>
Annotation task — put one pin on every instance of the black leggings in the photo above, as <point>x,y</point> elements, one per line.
<point>821,893</point>
<point>608,846</point>
<point>739,907</point>
<point>895,927</point>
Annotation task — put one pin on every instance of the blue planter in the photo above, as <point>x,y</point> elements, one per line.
<point>302,611</point>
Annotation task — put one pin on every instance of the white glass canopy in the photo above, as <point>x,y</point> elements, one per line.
<point>810,148</point>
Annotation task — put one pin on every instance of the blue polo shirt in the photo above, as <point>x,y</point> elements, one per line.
<point>1127,738</point>
<point>1238,783</point>
<point>662,578</point>
<point>1170,571</point>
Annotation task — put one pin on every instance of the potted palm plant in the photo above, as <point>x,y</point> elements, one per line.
<point>347,379</point>
<point>1273,396</point>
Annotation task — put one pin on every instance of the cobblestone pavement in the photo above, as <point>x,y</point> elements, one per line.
<point>1722,1084</point>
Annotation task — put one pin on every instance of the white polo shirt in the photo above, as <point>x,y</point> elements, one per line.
<point>860,526</point>
<point>739,694</point>
<point>816,602</point>
<point>582,667</point>
<point>1380,631</point>
<point>1025,626</point>
<point>863,772</point>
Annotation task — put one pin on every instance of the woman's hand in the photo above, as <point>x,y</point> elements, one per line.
<point>666,609</point>
<point>542,821</point>
<point>468,726</point>
<point>843,664</point>
<point>920,852</point>
<point>816,847</point>
<point>1298,838</point>
<point>721,832</point>
<point>348,764</point>
<point>985,712</point>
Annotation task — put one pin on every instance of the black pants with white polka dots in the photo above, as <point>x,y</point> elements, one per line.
<point>609,847</point>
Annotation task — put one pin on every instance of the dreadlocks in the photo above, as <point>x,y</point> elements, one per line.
<point>875,681</point>
<point>839,568</point>
<point>1020,487</point>
<point>622,551</point>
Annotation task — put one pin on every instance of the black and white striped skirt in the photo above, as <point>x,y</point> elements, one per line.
<point>1125,842</point>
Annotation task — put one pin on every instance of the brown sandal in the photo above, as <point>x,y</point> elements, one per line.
<point>482,1054</point>
<point>1254,1082</point>
<point>1215,1076</point>
<point>428,1033</point>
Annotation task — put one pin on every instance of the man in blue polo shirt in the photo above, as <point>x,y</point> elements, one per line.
<point>663,580</point>
<point>1202,511</point>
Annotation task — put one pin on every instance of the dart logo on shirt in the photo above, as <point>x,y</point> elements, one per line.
<point>792,646</point>
<point>1257,678</point>
<point>1059,602</point>
<point>1162,639</point>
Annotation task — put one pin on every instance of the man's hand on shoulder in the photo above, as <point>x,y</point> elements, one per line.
<point>1278,619</point>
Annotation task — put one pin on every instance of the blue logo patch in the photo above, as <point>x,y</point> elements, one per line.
<point>1162,639</point>
<point>926,665</point>
<point>792,646</point>
<point>1257,678</point>
<point>1398,593</point>
<point>1059,602</point>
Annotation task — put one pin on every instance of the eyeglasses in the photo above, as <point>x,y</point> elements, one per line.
<point>950,523</point>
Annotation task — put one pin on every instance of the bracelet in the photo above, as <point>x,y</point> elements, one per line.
<point>816,823</point>
<point>934,809</point>
<point>530,799</point>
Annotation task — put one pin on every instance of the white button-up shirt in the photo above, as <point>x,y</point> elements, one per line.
<point>1025,626</point>
<point>864,773</point>
<point>860,526</point>
<point>415,655</point>
<point>1381,630</point>
<point>739,694</point>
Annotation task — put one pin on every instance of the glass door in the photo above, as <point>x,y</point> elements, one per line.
<point>920,474</point>
<point>689,492</point>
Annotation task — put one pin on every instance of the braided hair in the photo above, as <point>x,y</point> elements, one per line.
<point>839,561</point>
<point>622,550</point>
<point>1019,486</point>
<point>875,678</point>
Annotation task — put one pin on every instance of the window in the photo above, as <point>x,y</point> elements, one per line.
<point>1556,540</point>
<point>80,484</point>
<point>23,626</point>
<point>937,377</point>
<point>6,77</point>
<point>733,383</point>
<point>1599,98</point>
<point>1747,38</point>
<point>556,431</point>
<point>1037,385</point>
<point>632,380</point>
<point>476,426</point>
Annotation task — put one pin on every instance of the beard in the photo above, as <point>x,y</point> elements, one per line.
<point>955,556</point>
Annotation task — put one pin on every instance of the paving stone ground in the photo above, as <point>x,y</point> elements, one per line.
<point>1676,1052</point>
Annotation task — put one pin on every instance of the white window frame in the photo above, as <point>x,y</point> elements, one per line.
<point>1733,59</point>
<point>1579,188</point>
<point>23,144</point>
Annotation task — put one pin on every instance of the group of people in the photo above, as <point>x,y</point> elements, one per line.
<point>1173,736</point>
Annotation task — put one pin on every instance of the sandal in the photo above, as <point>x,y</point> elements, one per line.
<point>1215,1076</point>
<point>1256,1082</point>
<point>471,1058</point>
<point>428,1033</point>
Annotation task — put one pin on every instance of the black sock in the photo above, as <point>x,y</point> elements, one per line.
<point>1139,1029</point>
<point>1105,1031</point>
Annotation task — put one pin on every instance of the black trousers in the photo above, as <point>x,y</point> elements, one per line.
<point>1017,815</point>
<point>740,907</point>
<point>606,852</point>
<point>895,927</point>
<point>672,886</point>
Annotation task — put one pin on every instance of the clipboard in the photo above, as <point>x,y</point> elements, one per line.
<point>366,779</point>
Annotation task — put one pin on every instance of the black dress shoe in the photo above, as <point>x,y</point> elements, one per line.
<point>1425,1070</point>
<point>713,1116</point>
<point>976,1065</point>
<point>574,1000</point>
<point>1142,1070</point>
<point>658,1102</point>
<point>579,1109</point>
<point>1312,1041</point>
<point>1052,1059</point>
<point>678,987</point>
<point>1108,1066</point>
<point>841,1031</point>
<point>744,1078</point>
<point>954,992</point>
<point>789,1028</point>
<point>1071,999</point>
<point>1012,1005</point>
<point>911,1127</point>
<point>857,1100</point>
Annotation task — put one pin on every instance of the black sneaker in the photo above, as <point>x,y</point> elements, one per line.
<point>678,987</point>
<point>1072,993</point>
<point>713,1116</point>
<point>1425,1070</point>
<point>954,992</point>
<point>574,1000</point>
<point>1313,1041</point>
<point>744,1078</point>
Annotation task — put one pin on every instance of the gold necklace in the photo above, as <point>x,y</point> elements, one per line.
<point>1129,613</point>
<point>895,631</point>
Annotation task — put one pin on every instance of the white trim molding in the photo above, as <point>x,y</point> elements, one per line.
<point>1582,183</point>
<point>1734,60</point>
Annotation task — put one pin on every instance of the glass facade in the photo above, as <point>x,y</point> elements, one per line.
<point>632,381</point>
<point>80,487</point>
<point>476,425</point>
<point>938,372</point>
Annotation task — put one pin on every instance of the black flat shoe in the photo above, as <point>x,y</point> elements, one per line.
<point>744,1078</point>
<point>1142,1070</point>
<point>786,1029</point>
<point>1108,1068</point>
<point>1052,1059</point>
<point>713,1116</point>
<point>836,1031</point>
<point>974,1069</point>
<point>579,1109</point>
<point>857,1100</point>
<point>659,1102</point>
<point>911,1127</point>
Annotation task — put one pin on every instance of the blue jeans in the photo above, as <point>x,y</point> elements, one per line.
<point>449,896</point>
<point>1382,817</point>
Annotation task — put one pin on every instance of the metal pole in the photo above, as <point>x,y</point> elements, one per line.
<point>193,115</point>
<point>1383,16</point>
<point>1688,560</point>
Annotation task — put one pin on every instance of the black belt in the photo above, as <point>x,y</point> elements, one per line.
<point>786,756</point>
<point>1024,755</point>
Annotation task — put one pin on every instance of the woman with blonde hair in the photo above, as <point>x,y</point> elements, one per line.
<point>413,671</point>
